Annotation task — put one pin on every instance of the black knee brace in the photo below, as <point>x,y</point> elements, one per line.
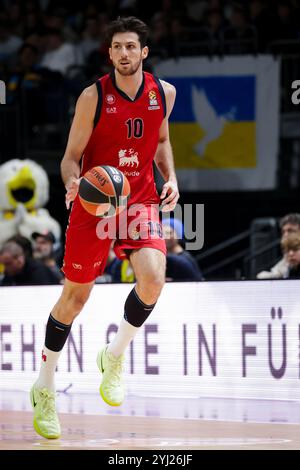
<point>135,311</point>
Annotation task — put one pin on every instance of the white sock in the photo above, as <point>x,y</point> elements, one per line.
<point>125,334</point>
<point>47,370</point>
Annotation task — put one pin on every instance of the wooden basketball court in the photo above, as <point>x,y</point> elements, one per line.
<point>88,432</point>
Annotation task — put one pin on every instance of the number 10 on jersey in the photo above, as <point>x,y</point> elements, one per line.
<point>135,128</point>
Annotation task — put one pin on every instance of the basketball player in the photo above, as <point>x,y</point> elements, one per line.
<point>123,115</point>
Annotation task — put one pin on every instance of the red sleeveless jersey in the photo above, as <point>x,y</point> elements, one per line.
<point>126,134</point>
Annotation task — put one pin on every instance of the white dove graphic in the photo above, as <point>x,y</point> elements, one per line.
<point>208,119</point>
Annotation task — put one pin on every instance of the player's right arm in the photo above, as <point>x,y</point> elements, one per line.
<point>80,132</point>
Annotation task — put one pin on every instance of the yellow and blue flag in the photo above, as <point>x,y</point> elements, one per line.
<point>213,122</point>
<point>224,127</point>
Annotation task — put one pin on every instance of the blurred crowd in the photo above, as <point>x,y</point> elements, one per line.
<point>38,261</point>
<point>288,267</point>
<point>51,50</point>
<point>26,262</point>
<point>41,40</point>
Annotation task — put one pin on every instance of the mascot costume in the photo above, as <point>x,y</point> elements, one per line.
<point>24,190</point>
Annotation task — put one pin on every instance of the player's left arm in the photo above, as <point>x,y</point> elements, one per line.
<point>164,155</point>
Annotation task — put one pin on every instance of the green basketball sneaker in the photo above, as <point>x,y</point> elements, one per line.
<point>112,389</point>
<point>45,419</point>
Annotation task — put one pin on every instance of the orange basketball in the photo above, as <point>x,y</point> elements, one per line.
<point>104,191</point>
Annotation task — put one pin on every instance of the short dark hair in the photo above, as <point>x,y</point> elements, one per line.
<point>129,24</point>
<point>293,219</point>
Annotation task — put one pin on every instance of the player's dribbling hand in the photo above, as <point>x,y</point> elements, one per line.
<point>72,187</point>
<point>170,189</point>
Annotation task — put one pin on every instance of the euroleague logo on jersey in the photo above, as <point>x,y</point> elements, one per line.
<point>152,98</point>
<point>153,103</point>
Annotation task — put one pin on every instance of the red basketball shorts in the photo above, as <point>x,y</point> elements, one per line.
<point>88,238</point>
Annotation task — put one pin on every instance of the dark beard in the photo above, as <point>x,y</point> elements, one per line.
<point>131,71</point>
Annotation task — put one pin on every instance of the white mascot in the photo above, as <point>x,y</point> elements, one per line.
<point>24,190</point>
